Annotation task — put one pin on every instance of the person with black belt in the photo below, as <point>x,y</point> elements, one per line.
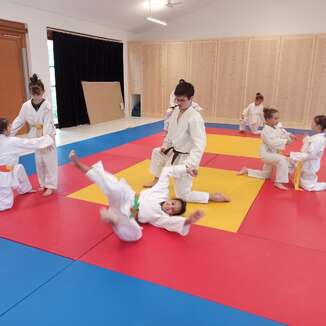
<point>184,144</point>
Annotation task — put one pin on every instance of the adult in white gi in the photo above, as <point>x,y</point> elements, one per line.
<point>253,116</point>
<point>151,206</point>
<point>12,174</point>
<point>184,144</point>
<point>173,104</point>
<point>274,141</point>
<point>310,156</point>
<point>37,114</point>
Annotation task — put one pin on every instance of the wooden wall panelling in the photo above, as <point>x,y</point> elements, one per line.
<point>135,70</point>
<point>231,69</point>
<point>135,66</point>
<point>318,86</point>
<point>152,99</point>
<point>175,68</point>
<point>202,73</point>
<point>294,74</point>
<point>262,69</point>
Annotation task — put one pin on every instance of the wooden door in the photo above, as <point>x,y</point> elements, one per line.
<point>12,84</point>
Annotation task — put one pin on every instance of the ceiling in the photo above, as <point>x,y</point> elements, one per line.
<point>128,15</point>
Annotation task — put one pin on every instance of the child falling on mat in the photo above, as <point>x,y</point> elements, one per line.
<point>151,206</point>
<point>13,175</point>
<point>310,156</point>
<point>274,141</point>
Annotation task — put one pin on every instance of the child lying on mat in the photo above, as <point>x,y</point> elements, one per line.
<point>151,206</point>
<point>12,174</point>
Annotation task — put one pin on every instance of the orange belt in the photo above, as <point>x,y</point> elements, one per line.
<point>39,129</point>
<point>5,168</point>
<point>297,175</point>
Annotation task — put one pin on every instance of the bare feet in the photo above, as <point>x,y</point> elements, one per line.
<point>153,183</point>
<point>218,197</point>
<point>41,189</point>
<point>73,156</point>
<point>107,217</point>
<point>243,171</point>
<point>48,192</point>
<point>280,186</point>
<point>194,217</point>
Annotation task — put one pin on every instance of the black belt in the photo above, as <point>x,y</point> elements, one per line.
<point>175,153</point>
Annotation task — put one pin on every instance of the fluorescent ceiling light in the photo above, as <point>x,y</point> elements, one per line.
<point>155,4</point>
<point>157,21</point>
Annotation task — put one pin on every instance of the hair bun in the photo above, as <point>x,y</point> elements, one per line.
<point>34,78</point>
<point>258,94</point>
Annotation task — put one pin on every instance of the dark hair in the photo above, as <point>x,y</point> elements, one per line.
<point>184,89</point>
<point>320,120</point>
<point>36,85</point>
<point>259,97</point>
<point>3,125</point>
<point>183,206</point>
<point>181,81</point>
<point>269,112</point>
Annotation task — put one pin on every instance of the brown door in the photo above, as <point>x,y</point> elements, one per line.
<point>12,85</point>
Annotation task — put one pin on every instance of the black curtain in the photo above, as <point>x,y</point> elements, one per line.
<point>78,59</point>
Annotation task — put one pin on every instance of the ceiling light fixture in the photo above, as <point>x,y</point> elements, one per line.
<point>152,19</point>
<point>157,21</point>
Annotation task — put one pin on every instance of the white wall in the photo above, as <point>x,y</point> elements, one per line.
<point>37,21</point>
<point>232,18</point>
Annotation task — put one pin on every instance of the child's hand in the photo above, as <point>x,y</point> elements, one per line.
<point>162,150</point>
<point>194,217</point>
<point>192,171</point>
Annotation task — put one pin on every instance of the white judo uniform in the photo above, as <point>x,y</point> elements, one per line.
<point>274,140</point>
<point>15,177</point>
<point>310,156</point>
<point>40,123</point>
<point>172,105</point>
<point>253,117</point>
<point>185,142</point>
<point>121,199</point>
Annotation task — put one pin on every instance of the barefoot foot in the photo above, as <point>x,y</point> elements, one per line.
<point>219,198</point>
<point>243,171</point>
<point>48,192</point>
<point>280,186</point>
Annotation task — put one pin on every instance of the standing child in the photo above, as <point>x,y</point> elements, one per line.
<point>253,116</point>
<point>151,206</point>
<point>274,140</point>
<point>310,156</point>
<point>37,113</point>
<point>12,174</point>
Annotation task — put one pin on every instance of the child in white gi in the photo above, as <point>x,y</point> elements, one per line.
<point>252,116</point>
<point>151,206</point>
<point>13,175</point>
<point>37,114</point>
<point>310,156</point>
<point>274,142</point>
